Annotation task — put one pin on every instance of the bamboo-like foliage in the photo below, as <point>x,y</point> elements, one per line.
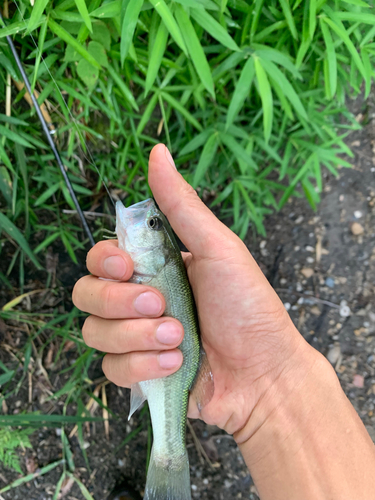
<point>249,97</point>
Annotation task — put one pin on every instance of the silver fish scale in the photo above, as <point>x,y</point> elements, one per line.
<point>169,422</point>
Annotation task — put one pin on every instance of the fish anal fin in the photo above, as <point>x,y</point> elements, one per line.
<point>137,397</point>
<point>203,387</point>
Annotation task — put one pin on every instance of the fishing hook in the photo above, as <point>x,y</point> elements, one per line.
<point>48,136</point>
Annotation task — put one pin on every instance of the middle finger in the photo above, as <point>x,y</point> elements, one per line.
<point>115,300</point>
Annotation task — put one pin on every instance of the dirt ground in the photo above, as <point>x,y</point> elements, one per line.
<point>322,264</point>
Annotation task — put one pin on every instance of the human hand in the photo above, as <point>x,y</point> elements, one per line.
<point>248,336</point>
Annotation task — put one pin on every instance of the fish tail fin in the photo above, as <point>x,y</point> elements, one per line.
<point>168,479</point>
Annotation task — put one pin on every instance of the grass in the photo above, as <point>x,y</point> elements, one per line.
<point>248,96</point>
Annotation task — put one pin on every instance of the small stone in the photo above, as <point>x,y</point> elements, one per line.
<point>283,281</point>
<point>344,309</point>
<point>309,248</point>
<point>287,305</point>
<point>120,462</point>
<point>358,214</point>
<point>307,272</point>
<point>357,228</point>
<point>297,248</point>
<point>315,311</point>
<point>299,287</point>
<point>341,197</point>
<point>194,487</point>
<point>330,282</point>
<point>358,381</point>
<point>58,432</point>
<point>262,244</point>
<point>310,260</point>
<point>334,353</point>
<point>358,332</point>
<point>299,220</point>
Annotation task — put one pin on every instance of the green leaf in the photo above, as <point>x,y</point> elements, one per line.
<point>215,29</point>
<point>82,9</point>
<point>289,17</point>
<point>331,60</point>
<point>205,159</point>
<point>265,92</point>
<point>237,150</point>
<point>121,85</point>
<point>241,91</point>
<point>15,28</point>
<point>147,113</point>
<point>286,160</point>
<point>64,35</point>
<point>207,4</point>
<point>46,194</point>
<point>356,17</point>
<point>156,56</point>
<point>302,172</point>
<point>277,57</point>
<point>101,34</point>
<point>368,69</point>
<point>87,72</point>
<point>97,51</point>
<point>184,112</point>
<point>258,6</point>
<point>71,55</point>
<point>108,10</point>
<point>36,15</point>
<point>170,23</point>
<point>253,214</point>
<point>285,86</point>
<point>195,49</point>
<point>129,24</point>
<point>196,142</point>
<point>6,132</point>
<point>342,33</point>
<point>312,18</point>
<point>14,233</point>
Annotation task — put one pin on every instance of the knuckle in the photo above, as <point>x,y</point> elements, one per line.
<point>107,299</point>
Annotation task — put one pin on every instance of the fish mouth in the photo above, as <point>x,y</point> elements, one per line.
<point>134,212</point>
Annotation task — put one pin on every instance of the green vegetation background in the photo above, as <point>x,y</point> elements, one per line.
<point>249,96</point>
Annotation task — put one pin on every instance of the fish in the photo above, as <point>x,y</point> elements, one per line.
<point>145,234</point>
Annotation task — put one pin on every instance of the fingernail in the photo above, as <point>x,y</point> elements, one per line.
<point>115,267</point>
<point>170,359</point>
<point>148,304</point>
<point>168,333</point>
<point>169,157</point>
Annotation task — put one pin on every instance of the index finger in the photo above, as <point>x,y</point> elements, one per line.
<point>106,260</point>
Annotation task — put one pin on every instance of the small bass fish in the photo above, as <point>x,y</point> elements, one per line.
<point>145,234</point>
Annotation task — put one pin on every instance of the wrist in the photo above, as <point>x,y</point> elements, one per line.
<point>283,394</point>
<point>305,440</point>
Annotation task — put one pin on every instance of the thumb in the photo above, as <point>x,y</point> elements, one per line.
<point>194,223</point>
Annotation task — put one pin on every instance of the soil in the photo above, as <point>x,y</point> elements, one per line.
<point>321,263</point>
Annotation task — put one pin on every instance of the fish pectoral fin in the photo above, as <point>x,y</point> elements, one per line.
<point>203,387</point>
<point>137,397</point>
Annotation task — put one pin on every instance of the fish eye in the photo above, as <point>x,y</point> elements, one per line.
<point>155,223</point>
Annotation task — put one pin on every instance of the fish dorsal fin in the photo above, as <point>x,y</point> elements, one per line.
<point>137,397</point>
<point>203,387</point>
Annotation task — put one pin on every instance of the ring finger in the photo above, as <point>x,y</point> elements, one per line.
<point>124,335</point>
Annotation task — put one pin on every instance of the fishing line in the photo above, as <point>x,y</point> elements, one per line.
<point>49,138</point>
<point>90,160</point>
